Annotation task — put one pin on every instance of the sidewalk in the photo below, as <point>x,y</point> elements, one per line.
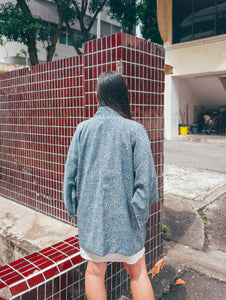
<point>194,213</point>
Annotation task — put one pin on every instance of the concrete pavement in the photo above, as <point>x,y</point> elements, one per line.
<point>195,198</point>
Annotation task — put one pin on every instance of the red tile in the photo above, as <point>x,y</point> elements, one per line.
<point>77,260</point>
<point>72,241</point>
<point>5,270</point>
<point>28,270</point>
<point>63,281</point>
<point>51,272</point>
<point>35,280</point>
<point>11,278</point>
<point>42,262</point>
<point>56,256</point>
<point>18,263</point>
<point>32,294</point>
<point>49,288</point>
<point>113,40</point>
<point>2,285</point>
<point>65,265</point>
<point>18,288</point>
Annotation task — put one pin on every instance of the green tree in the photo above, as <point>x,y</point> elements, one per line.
<point>125,12</point>
<point>147,12</point>
<point>70,11</point>
<point>18,24</point>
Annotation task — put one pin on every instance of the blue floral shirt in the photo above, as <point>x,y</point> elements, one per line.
<point>110,181</point>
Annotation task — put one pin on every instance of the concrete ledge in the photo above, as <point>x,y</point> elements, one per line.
<point>24,231</point>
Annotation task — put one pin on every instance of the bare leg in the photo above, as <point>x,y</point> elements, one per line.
<point>139,281</point>
<point>95,281</point>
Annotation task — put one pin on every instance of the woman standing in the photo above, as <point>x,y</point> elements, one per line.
<point>110,181</point>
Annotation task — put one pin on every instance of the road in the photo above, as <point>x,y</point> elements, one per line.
<point>206,156</point>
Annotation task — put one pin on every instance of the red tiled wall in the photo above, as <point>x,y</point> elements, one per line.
<point>39,110</point>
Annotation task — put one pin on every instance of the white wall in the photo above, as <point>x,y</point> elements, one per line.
<point>200,56</point>
<point>186,99</point>
<point>168,107</point>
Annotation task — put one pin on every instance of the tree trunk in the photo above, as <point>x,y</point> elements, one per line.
<point>73,39</point>
<point>130,30</point>
<point>52,48</point>
<point>32,50</point>
<point>31,41</point>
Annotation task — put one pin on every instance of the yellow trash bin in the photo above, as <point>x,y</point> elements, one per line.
<point>183,129</point>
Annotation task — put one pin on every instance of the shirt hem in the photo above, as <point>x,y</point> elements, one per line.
<point>112,257</point>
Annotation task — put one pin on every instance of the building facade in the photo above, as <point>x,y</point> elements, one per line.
<point>13,53</point>
<point>194,35</point>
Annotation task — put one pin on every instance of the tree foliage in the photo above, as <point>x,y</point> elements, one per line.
<point>131,12</point>
<point>125,12</point>
<point>147,12</point>
<point>86,12</point>
<point>18,25</point>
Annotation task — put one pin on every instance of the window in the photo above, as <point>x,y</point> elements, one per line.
<point>203,19</point>
<point>105,28</point>
<point>221,17</point>
<point>182,21</point>
<point>69,38</point>
<point>115,29</point>
<point>63,36</point>
<point>197,19</point>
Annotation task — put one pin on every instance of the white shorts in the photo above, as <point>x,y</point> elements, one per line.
<point>112,257</point>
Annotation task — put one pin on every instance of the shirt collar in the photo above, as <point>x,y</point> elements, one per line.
<point>106,111</point>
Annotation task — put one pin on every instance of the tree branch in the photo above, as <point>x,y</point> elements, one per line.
<point>95,15</point>
<point>73,39</point>
<point>52,48</point>
<point>23,6</point>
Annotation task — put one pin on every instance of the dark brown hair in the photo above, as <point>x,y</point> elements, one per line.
<point>112,91</point>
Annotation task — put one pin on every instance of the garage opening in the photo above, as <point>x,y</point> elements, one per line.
<point>202,103</point>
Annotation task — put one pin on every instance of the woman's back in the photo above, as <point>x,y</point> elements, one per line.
<point>111,149</point>
<point>110,181</point>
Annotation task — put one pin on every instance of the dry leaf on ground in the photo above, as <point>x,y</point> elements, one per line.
<point>156,269</point>
<point>179,281</point>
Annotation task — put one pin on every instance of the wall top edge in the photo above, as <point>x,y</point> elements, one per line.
<point>122,39</point>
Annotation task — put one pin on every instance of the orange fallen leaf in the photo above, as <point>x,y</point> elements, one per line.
<point>157,267</point>
<point>179,281</point>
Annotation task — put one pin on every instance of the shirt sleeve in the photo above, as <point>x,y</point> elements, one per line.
<point>145,179</point>
<point>70,178</point>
